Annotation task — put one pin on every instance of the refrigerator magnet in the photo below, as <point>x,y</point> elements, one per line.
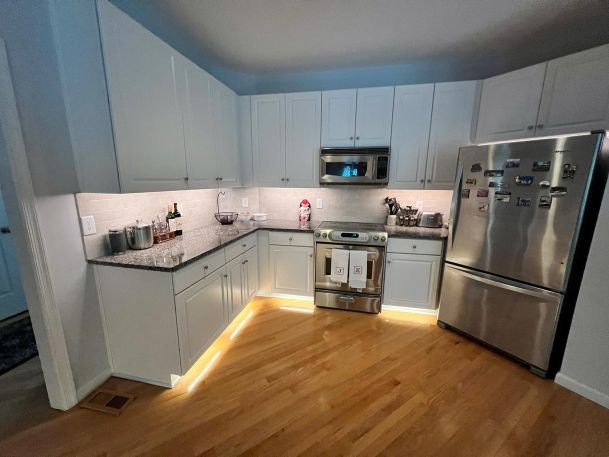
<point>483,207</point>
<point>524,202</point>
<point>465,193</point>
<point>476,167</point>
<point>545,201</point>
<point>512,163</point>
<point>503,196</point>
<point>482,193</point>
<point>470,181</point>
<point>498,185</point>
<point>541,165</point>
<point>493,173</point>
<point>522,180</point>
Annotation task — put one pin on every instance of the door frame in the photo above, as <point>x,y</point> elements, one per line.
<point>20,202</point>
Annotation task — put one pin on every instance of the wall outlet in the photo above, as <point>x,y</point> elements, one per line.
<point>320,203</point>
<point>419,204</point>
<point>245,202</point>
<point>88,225</point>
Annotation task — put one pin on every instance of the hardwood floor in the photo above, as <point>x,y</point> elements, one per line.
<point>324,382</point>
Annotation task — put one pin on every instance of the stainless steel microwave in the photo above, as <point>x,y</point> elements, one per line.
<point>354,166</point>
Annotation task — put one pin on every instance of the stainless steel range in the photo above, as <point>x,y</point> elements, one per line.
<point>350,236</point>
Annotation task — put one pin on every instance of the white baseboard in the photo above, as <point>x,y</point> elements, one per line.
<point>406,309</point>
<point>288,296</point>
<point>168,385</point>
<point>587,392</point>
<point>93,384</point>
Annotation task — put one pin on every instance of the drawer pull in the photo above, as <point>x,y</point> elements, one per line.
<point>414,246</point>
<point>244,262</point>
<point>346,298</point>
<point>244,245</point>
<point>291,239</point>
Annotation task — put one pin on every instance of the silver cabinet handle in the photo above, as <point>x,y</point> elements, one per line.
<point>539,126</point>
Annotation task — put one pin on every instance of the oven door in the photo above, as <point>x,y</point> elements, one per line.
<point>323,262</point>
<point>353,169</point>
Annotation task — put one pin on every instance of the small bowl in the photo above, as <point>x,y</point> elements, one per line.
<point>226,218</point>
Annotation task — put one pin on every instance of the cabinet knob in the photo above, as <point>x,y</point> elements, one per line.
<point>414,246</point>
<point>357,137</point>
<point>244,262</point>
<point>205,267</point>
<point>530,127</point>
<point>226,276</point>
<point>287,179</point>
<point>388,261</point>
<point>220,178</point>
<point>350,137</point>
<point>283,179</point>
<point>422,180</point>
<point>429,180</point>
<point>311,255</point>
<point>244,245</point>
<point>539,126</point>
<point>185,178</point>
<point>291,239</point>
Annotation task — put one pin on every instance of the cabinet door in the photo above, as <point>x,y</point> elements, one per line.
<point>303,130</point>
<point>268,139</point>
<point>451,127</point>
<point>201,316</point>
<point>411,280</point>
<point>226,134</point>
<point>373,118</point>
<point>576,94</point>
<point>410,135</point>
<point>199,128</point>
<point>146,118</point>
<point>509,105</point>
<point>234,286</point>
<point>338,117</point>
<point>291,270</point>
<point>250,275</point>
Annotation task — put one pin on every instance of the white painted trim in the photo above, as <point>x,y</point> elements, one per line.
<point>587,392</point>
<point>407,309</point>
<point>93,384</point>
<point>174,380</point>
<point>288,296</point>
<point>21,205</point>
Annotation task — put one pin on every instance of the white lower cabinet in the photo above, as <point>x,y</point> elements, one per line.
<point>201,316</point>
<point>154,334</point>
<point>291,270</point>
<point>411,280</point>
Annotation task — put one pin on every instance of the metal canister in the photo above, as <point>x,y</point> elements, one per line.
<point>118,241</point>
<point>139,235</point>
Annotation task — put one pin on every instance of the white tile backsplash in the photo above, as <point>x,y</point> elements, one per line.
<point>350,204</point>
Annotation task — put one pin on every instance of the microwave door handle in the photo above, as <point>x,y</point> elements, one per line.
<point>455,206</point>
<point>374,168</point>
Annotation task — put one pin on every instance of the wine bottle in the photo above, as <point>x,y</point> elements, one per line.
<point>171,220</point>
<point>178,219</point>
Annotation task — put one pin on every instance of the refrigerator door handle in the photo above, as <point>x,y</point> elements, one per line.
<point>455,206</point>
<point>505,283</point>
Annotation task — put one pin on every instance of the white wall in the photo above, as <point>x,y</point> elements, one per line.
<point>27,31</point>
<point>585,367</point>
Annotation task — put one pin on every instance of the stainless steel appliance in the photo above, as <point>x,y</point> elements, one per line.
<point>522,218</point>
<point>429,219</point>
<point>139,235</point>
<point>354,166</point>
<point>371,238</point>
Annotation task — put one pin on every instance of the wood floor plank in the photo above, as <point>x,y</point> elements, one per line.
<point>334,383</point>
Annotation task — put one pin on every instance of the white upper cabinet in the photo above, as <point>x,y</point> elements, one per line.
<point>226,134</point>
<point>268,139</point>
<point>303,130</point>
<point>509,105</point>
<point>338,118</point>
<point>198,126</point>
<point>575,94</point>
<point>146,117</point>
<point>410,135</point>
<point>452,119</point>
<point>373,118</point>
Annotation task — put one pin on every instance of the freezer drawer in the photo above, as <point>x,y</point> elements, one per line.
<point>514,317</point>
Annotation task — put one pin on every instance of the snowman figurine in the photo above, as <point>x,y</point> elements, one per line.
<point>304,211</point>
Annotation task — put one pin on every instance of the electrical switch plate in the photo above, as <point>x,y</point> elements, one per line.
<point>88,225</point>
<point>245,202</point>
<point>320,203</point>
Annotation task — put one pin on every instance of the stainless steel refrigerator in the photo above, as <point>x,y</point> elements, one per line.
<point>522,218</point>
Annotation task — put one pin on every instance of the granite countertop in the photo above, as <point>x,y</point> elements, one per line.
<point>194,244</point>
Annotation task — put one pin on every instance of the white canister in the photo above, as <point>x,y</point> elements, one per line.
<point>392,219</point>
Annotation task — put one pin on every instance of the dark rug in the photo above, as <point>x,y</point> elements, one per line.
<point>17,344</point>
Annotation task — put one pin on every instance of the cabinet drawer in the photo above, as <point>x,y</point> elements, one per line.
<point>291,239</point>
<point>196,271</point>
<point>240,246</point>
<point>414,246</point>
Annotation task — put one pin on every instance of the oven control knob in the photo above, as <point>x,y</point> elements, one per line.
<point>324,235</point>
<point>383,238</point>
<point>376,237</point>
<point>317,234</point>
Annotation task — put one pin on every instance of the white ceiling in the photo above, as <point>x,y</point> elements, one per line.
<point>259,36</point>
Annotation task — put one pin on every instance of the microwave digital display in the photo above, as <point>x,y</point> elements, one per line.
<point>347,169</point>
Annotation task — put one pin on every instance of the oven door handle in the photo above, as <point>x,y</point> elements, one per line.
<point>346,298</point>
